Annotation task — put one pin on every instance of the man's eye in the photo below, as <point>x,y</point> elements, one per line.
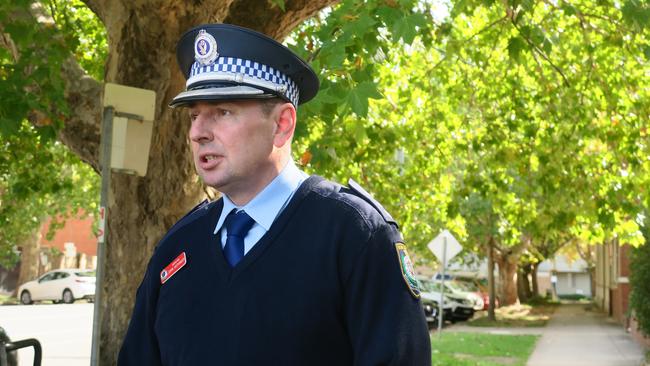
<point>193,117</point>
<point>225,112</point>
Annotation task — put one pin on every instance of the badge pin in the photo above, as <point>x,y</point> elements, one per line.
<point>205,48</point>
<point>406,267</point>
<point>173,267</point>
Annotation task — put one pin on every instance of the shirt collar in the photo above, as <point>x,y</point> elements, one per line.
<point>266,206</point>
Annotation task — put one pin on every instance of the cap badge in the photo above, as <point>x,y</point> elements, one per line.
<point>205,48</point>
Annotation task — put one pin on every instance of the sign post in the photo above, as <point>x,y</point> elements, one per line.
<point>125,140</point>
<point>444,247</point>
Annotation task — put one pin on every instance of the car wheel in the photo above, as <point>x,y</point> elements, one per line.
<point>26,298</point>
<point>68,298</point>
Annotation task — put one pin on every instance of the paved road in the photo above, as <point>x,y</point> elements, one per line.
<point>65,331</point>
<point>577,337</point>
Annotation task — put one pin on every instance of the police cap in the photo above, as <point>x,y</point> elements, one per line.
<point>225,62</point>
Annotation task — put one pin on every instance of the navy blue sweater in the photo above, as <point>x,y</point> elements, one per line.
<point>322,287</point>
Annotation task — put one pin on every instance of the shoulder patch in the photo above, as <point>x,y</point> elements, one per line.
<point>406,267</point>
<point>359,191</point>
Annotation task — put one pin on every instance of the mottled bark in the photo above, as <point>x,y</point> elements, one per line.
<point>491,284</point>
<point>535,283</point>
<point>507,260</point>
<point>30,249</point>
<point>523,283</point>
<point>507,281</point>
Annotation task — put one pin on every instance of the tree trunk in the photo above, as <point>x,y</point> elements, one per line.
<point>507,277</point>
<point>535,267</point>
<point>491,287</point>
<point>29,258</point>
<point>523,283</point>
<point>592,281</point>
<point>142,40</point>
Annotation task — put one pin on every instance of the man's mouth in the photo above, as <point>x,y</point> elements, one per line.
<point>209,158</point>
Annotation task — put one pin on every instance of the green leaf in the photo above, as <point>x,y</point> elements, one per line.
<point>636,13</point>
<point>333,54</point>
<point>368,90</point>
<point>358,97</point>
<point>8,127</point>
<point>408,27</point>
<point>516,46</point>
<point>568,9</point>
<point>358,104</point>
<point>278,3</point>
<point>360,134</point>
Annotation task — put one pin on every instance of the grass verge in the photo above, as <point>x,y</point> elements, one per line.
<point>481,349</point>
<point>8,300</point>
<point>520,315</point>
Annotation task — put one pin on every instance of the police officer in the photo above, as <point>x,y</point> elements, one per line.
<point>285,268</point>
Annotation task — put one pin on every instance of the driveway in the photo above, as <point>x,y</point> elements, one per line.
<point>64,331</point>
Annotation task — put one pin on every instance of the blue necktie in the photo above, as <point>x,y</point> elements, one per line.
<point>237,225</point>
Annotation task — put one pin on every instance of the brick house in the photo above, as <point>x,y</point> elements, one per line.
<point>612,285</point>
<point>75,241</point>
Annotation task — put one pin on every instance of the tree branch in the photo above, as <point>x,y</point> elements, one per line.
<point>270,19</point>
<point>82,93</point>
<point>81,132</point>
<point>7,43</point>
<point>541,53</point>
<point>97,6</point>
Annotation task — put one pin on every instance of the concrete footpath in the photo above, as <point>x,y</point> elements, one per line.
<point>576,336</point>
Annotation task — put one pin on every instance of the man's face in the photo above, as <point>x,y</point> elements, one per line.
<point>232,143</point>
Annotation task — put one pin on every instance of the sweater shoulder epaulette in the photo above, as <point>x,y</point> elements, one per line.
<point>358,191</point>
<point>193,214</point>
<point>357,197</point>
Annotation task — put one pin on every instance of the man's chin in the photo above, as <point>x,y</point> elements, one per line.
<point>212,181</point>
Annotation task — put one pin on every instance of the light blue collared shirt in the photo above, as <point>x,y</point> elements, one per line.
<point>266,206</point>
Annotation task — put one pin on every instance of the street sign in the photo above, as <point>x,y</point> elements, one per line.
<point>444,247</point>
<point>437,246</point>
<point>132,125</point>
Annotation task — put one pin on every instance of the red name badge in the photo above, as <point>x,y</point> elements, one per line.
<point>173,267</point>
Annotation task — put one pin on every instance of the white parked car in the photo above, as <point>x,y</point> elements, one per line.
<point>61,285</point>
<point>462,307</point>
<point>458,289</point>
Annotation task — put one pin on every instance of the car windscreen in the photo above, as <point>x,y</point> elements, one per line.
<point>455,286</point>
<point>430,286</point>
<point>85,274</point>
<point>465,286</point>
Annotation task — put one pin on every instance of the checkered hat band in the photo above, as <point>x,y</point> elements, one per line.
<point>235,68</point>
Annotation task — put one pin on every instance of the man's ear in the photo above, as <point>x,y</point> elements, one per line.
<point>285,123</point>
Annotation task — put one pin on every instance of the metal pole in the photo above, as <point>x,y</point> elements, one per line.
<point>442,286</point>
<point>107,138</point>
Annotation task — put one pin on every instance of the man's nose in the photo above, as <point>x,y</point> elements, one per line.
<point>199,131</point>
